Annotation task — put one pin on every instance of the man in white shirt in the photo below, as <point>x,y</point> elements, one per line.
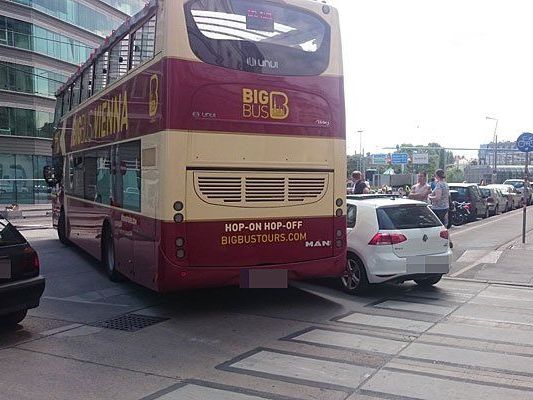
<point>421,190</point>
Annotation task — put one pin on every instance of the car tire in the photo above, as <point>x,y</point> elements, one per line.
<point>487,213</point>
<point>354,280</point>
<point>62,229</point>
<point>13,318</point>
<point>108,255</point>
<point>432,280</point>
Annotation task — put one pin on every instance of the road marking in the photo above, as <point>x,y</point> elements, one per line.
<point>196,392</point>
<point>429,387</point>
<point>351,341</point>
<point>304,370</point>
<point>387,322</point>
<point>69,300</point>
<point>416,307</point>
<point>472,358</point>
<point>483,333</point>
<point>490,258</point>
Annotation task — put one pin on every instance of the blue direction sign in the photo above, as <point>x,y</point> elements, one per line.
<point>525,142</point>
<point>400,158</point>
<point>379,159</point>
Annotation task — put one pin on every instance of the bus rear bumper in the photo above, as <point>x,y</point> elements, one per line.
<point>175,278</point>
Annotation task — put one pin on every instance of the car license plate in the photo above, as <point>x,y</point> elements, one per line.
<point>5,268</point>
<point>428,265</point>
<point>263,279</point>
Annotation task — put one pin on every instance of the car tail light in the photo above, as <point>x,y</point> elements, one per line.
<point>380,239</point>
<point>444,234</point>
<point>490,200</point>
<point>468,206</point>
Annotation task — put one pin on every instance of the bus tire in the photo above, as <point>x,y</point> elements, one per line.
<point>62,228</point>
<point>108,255</point>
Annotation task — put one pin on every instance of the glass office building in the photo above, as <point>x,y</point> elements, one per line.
<point>42,42</point>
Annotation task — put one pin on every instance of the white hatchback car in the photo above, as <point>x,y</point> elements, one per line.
<point>393,239</point>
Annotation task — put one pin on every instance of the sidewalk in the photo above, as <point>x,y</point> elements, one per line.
<point>25,211</point>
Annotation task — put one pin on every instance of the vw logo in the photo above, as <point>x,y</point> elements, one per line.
<point>425,238</point>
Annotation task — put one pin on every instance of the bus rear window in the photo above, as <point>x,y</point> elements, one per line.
<point>406,217</point>
<point>258,36</point>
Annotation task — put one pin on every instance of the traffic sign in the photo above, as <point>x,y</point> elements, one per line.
<point>420,158</point>
<point>400,158</point>
<point>525,142</point>
<point>379,159</point>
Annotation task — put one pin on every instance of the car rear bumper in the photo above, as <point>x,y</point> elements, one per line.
<point>387,267</point>
<point>21,295</point>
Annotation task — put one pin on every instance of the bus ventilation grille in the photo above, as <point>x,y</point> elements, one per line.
<point>130,322</point>
<point>261,189</point>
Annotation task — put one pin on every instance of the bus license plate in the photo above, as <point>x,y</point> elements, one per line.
<point>5,269</point>
<point>264,279</point>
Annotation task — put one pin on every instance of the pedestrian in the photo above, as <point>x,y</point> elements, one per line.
<point>440,197</point>
<point>432,183</point>
<point>482,182</point>
<point>421,190</point>
<point>360,186</point>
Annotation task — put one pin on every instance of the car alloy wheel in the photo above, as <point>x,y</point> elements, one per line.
<point>354,279</point>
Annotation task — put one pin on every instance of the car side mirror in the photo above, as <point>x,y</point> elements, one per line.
<point>50,176</point>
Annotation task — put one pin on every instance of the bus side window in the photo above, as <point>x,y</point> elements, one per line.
<point>127,178</point>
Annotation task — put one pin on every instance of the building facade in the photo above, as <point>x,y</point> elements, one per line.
<point>42,42</point>
<point>506,154</point>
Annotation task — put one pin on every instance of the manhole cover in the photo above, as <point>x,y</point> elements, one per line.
<point>130,322</point>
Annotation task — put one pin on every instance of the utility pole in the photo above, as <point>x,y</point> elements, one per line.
<point>360,150</point>
<point>495,141</point>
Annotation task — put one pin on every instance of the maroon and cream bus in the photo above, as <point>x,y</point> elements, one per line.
<point>203,144</point>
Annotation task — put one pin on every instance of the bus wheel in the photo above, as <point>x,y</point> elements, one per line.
<point>108,255</point>
<point>62,228</point>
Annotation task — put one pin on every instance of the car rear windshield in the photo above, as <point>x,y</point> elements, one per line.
<point>516,184</point>
<point>485,192</point>
<point>406,217</point>
<point>258,36</point>
<point>9,235</point>
<point>462,192</point>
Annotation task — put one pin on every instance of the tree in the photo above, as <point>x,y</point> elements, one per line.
<point>455,174</point>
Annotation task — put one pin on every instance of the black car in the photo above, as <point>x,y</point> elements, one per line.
<point>469,193</point>
<point>21,286</point>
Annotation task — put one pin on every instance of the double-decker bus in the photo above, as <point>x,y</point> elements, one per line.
<point>203,144</point>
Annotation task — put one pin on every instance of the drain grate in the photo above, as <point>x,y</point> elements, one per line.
<point>130,322</point>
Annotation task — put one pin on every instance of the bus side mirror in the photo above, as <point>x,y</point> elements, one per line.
<point>49,176</point>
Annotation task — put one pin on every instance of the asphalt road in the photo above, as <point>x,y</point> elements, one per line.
<point>464,339</point>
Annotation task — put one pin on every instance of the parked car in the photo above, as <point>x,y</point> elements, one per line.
<point>469,193</point>
<point>393,239</point>
<point>510,193</point>
<point>21,286</point>
<point>520,185</point>
<point>350,186</point>
<point>496,201</point>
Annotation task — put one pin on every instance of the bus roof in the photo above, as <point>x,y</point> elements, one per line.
<point>110,40</point>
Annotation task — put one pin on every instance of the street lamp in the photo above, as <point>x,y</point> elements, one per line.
<point>360,150</point>
<point>495,141</point>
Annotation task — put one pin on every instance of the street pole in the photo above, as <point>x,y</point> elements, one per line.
<point>495,141</point>
<point>360,150</point>
<point>526,197</point>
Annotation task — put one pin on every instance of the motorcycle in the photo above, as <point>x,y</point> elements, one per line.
<point>458,214</point>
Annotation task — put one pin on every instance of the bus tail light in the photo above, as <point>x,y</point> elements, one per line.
<point>178,218</point>
<point>380,239</point>
<point>180,242</point>
<point>178,206</point>
<point>339,233</point>
<point>338,213</point>
<point>180,253</point>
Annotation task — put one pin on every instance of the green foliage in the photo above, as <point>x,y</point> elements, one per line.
<point>455,174</point>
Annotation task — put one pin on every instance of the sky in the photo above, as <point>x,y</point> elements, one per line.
<point>419,71</point>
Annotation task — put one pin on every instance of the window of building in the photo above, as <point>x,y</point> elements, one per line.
<point>119,59</point>
<point>143,43</point>
<point>27,79</point>
<point>25,122</point>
